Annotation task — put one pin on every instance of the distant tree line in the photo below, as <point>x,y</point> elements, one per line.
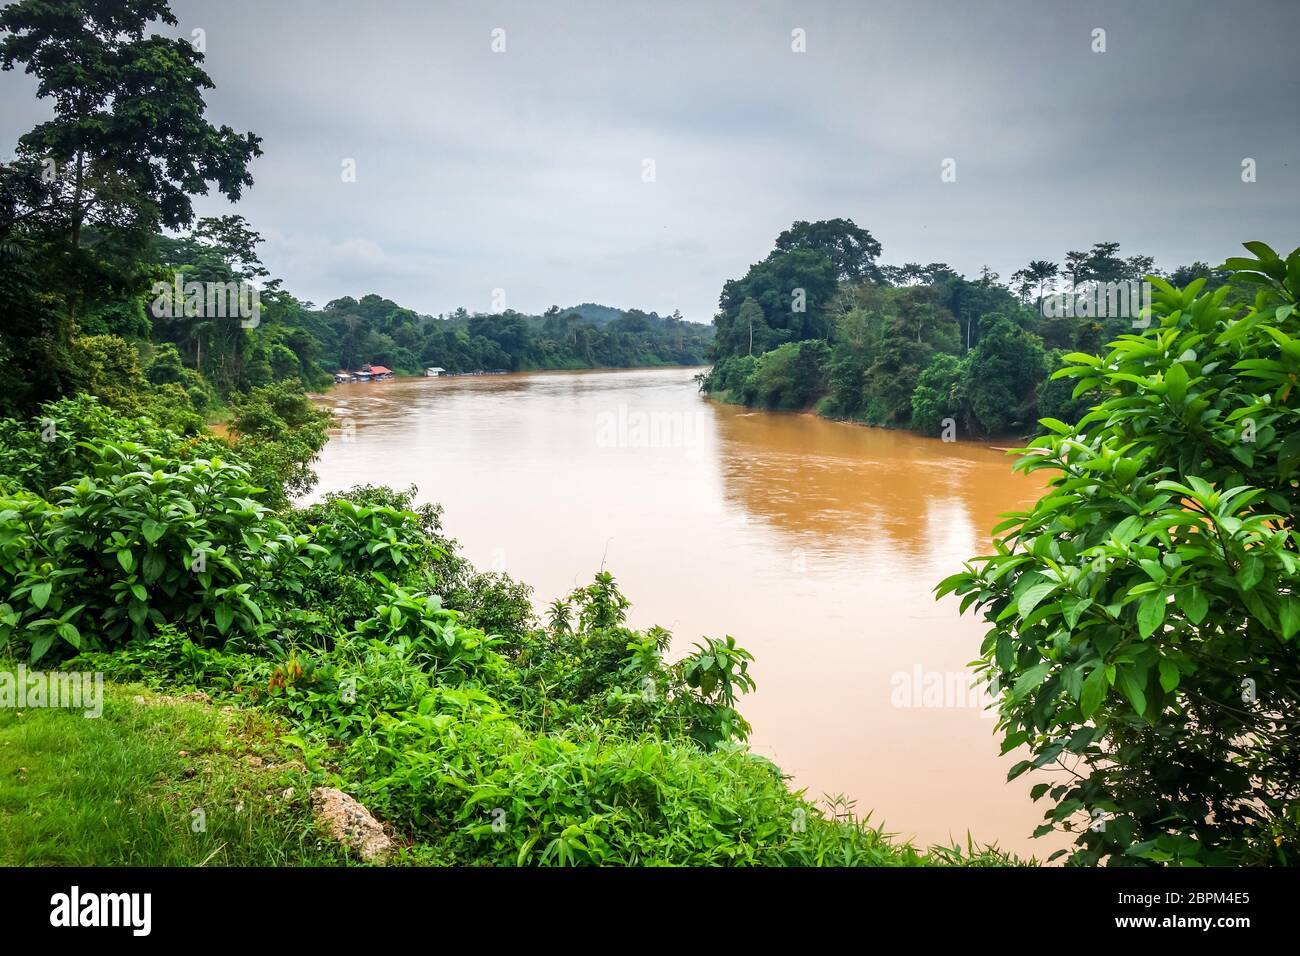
<point>820,323</point>
<point>115,343</point>
<point>374,329</point>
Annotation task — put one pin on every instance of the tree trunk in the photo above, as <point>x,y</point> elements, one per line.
<point>76,206</point>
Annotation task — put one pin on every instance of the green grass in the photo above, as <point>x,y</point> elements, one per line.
<point>120,790</point>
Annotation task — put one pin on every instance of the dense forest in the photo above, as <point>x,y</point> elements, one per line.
<point>820,323</point>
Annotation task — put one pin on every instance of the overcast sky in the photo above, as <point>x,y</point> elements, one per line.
<point>523,170</point>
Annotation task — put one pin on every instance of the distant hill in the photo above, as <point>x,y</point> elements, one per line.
<point>595,314</point>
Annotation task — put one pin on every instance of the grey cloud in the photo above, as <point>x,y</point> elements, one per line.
<point>523,170</point>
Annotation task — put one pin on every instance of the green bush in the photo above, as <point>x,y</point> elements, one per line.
<point>138,542</point>
<point>939,394</point>
<point>415,553</point>
<point>790,376</point>
<point>445,648</point>
<point>55,447</point>
<point>279,433</point>
<point>729,377</point>
<point>1144,612</point>
<point>1002,372</point>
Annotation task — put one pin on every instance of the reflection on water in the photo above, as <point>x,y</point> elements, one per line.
<point>815,544</point>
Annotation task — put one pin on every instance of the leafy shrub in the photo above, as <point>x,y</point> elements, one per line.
<point>139,541</point>
<point>729,376</point>
<point>169,659</point>
<point>109,367</point>
<point>1002,372</point>
<point>1144,612</point>
<point>420,622</point>
<point>278,434</point>
<point>598,668</point>
<point>54,448</point>
<point>939,394</point>
<point>790,376</point>
<point>719,672</point>
<point>416,554</point>
<point>478,789</point>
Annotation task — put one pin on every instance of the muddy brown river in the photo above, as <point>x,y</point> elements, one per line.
<point>816,544</point>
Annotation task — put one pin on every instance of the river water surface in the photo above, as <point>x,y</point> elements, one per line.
<point>816,544</point>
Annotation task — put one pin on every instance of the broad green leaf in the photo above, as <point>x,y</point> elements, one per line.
<point>1074,610</point>
<point>1005,652</point>
<point>1250,573</point>
<point>1262,250</point>
<point>40,645</point>
<point>1289,614</point>
<point>1030,679</point>
<point>1094,691</point>
<point>1176,384</point>
<point>1195,604</point>
<point>1131,683</point>
<point>70,634</point>
<point>1168,674</point>
<point>1033,595</point>
<point>1151,613</point>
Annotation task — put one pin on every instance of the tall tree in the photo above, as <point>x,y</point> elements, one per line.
<point>851,248</point>
<point>1022,281</point>
<point>750,315</point>
<point>1103,263</point>
<point>1140,266</point>
<point>1074,265</point>
<point>126,148</point>
<point>128,134</point>
<point>1042,271</point>
<point>793,288</point>
<point>1003,371</point>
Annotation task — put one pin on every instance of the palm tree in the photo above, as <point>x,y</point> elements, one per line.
<point>1040,270</point>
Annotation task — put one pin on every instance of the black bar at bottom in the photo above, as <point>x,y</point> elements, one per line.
<point>367,905</point>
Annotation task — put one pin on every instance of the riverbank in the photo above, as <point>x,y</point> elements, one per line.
<point>360,625</point>
<point>1008,444</point>
<point>350,645</point>
<point>177,779</point>
<point>816,545</point>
